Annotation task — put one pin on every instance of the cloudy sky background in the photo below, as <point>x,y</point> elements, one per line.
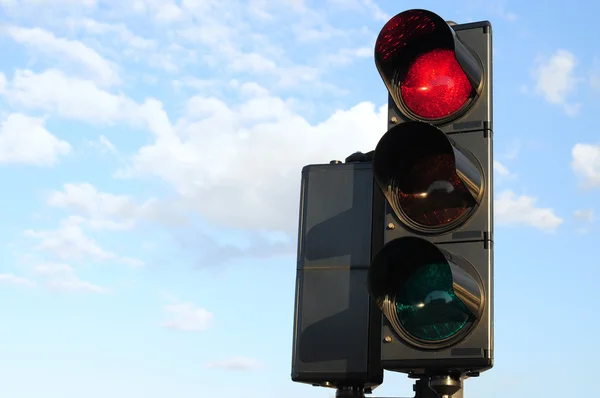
<point>150,157</point>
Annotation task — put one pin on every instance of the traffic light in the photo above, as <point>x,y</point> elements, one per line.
<point>395,246</point>
<point>433,277</point>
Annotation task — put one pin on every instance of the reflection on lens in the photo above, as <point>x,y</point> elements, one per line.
<point>439,187</point>
<point>427,307</point>
<point>431,193</point>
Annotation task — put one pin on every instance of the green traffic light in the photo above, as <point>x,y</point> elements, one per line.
<point>427,307</point>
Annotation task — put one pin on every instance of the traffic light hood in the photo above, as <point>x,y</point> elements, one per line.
<point>446,77</point>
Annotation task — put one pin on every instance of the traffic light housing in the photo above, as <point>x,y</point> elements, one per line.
<point>337,327</point>
<point>395,247</point>
<point>433,277</point>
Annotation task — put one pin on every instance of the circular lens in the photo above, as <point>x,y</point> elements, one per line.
<point>427,307</point>
<point>431,194</point>
<point>435,86</point>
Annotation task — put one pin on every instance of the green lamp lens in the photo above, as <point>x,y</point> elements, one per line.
<point>427,306</point>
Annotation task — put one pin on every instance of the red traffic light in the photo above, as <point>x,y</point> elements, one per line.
<point>431,184</point>
<point>435,85</point>
<point>429,73</point>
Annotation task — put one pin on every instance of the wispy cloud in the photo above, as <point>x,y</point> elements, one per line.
<point>187,317</point>
<point>585,215</point>
<point>25,140</point>
<point>585,162</point>
<point>236,363</point>
<point>63,278</point>
<point>513,209</point>
<point>12,279</point>
<point>556,81</point>
<point>87,60</point>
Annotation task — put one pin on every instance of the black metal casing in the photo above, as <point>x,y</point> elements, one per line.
<point>340,336</point>
<point>337,327</point>
<point>473,241</point>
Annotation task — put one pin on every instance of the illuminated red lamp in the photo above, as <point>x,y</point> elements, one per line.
<point>429,73</point>
<point>435,85</point>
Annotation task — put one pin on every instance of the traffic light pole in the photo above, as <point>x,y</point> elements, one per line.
<point>422,388</point>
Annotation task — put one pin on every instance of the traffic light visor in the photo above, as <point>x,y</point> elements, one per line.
<point>429,298</point>
<point>430,183</point>
<point>429,73</point>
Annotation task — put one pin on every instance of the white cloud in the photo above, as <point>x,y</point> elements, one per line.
<point>367,5</point>
<point>70,3</point>
<point>521,210</point>
<point>168,12</point>
<point>162,11</point>
<point>595,79</point>
<point>236,363</point>
<point>102,71</point>
<point>586,164</point>
<point>253,62</point>
<point>502,172</point>
<point>11,279</point>
<point>217,173</point>
<point>24,139</point>
<point>376,11</point>
<point>69,242</point>
<point>500,168</point>
<point>594,75</point>
<point>237,46</point>
<point>132,262</point>
<point>261,8</point>
<point>556,80</point>
<point>500,10</point>
<point>187,317</point>
<point>307,33</point>
<point>314,27</point>
<point>149,52</point>
<point>125,36</point>
<point>102,208</point>
<point>105,145</point>
<point>252,89</point>
<point>218,25</point>
<point>287,76</point>
<point>345,56</point>
<point>79,99</point>
<point>69,97</point>
<point>3,83</point>
<point>62,278</point>
<point>195,83</point>
<point>298,75</point>
<point>585,215</point>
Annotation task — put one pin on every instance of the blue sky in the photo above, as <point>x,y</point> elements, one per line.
<point>150,154</point>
